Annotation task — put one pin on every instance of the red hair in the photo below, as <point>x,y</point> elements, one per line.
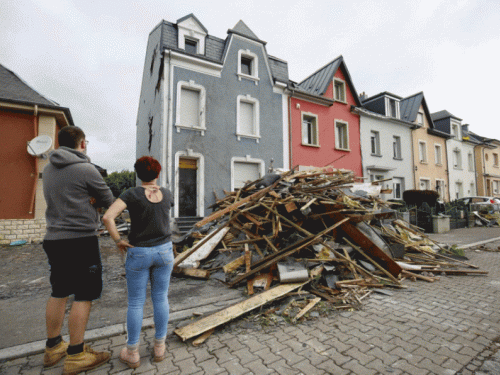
<point>147,168</point>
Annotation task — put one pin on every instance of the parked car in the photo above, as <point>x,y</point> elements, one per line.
<point>481,203</point>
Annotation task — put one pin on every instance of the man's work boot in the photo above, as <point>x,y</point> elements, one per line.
<point>84,361</point>
<point>54,355</point>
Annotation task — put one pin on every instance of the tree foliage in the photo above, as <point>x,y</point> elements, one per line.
<point>118,182</point>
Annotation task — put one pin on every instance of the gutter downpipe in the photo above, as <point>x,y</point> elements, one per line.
<point>290,128</point>
<point>35,184</point>
<point>447,168</point>
<point>166,107</point>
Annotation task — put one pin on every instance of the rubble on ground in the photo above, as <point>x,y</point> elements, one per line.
<point>308,238</point>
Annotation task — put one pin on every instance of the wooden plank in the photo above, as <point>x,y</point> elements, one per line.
<point>304,311</point>
<point>252,219</point>
<point>179,258</point>
<point>248,265</point>
<point>193,261</point>
<point>369,247</point>
<point>200,340</point>
<point>235,205</point>
<point>417,276</point>
<point>271,245</point>
<point>192,272</point>
<point>232,312</point>
<point>231,266</point>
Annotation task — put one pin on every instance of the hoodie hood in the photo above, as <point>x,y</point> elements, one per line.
<point>64,156</point>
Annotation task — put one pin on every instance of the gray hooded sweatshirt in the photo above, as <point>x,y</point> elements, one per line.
<point>69,181</point>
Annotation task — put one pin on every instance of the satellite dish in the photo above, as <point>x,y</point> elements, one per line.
<point>39,145</point>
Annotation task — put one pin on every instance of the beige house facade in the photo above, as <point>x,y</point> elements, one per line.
<point>487,155</point>
<point>430,161</point>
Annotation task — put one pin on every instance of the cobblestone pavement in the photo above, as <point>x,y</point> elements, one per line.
<point>447,327</point>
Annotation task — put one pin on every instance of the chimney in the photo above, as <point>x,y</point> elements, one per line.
<point>362,96</point>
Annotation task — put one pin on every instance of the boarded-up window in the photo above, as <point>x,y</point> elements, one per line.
<point>190,107</point>
<point>247,118</point>
<point>244,172</point>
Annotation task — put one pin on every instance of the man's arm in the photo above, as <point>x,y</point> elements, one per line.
<point>98,189</point>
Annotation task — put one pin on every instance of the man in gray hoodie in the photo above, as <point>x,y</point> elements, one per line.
<point>73,188</point>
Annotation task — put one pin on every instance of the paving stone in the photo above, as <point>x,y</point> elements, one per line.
<point>234,367</point>
<point>274,345</point>
<point>408,368</point>
<point>223,355</point>
<point>166,366</point>
<point>331,367</point>
<point>245,356</point>
<point>181,354</point>
<point>453,364</point>
<point>282,368</point>
<point>258,367</point>
<point>210,366</point>
<point>431,366</point>
<point>382,355</point>
<point>290,357</point>
<point>356,368</point>
<point>267,356</point>
<point>306,368</point>
<point>361,357</point>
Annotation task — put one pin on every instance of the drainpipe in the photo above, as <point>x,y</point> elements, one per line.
<point>35,183</point>
<point>166,107</point>
<point>290,128</point>
<point>447,168</point>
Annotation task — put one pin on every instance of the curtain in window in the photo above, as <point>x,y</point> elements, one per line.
<point>190,107</point>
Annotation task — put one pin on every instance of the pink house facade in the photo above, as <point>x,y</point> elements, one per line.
<point>324,129</point>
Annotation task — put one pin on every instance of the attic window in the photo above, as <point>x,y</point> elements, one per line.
<point>246,65</point>
<point>191,46</point>
<point>339,90</point>
<point>420,118</point>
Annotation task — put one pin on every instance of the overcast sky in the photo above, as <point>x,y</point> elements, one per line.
<point>88,55</point>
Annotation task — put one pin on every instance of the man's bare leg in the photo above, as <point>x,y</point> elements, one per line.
<point>78,318</point>
<point>54,316</point>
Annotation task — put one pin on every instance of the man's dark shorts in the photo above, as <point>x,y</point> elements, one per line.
<point>75,267</point>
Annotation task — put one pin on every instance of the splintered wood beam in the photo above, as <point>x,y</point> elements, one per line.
<point>192,272</point>
<point>369,247</point>
<point>235,205</point>
<point>231,266</point>
<point>273,248</point>
<point>306,309</point>
<point>200,340</point>
<point>182,256</point>
<point>273,258</point>
<point>212,321</point>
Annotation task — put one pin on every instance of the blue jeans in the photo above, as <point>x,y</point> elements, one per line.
<point>148,263</point>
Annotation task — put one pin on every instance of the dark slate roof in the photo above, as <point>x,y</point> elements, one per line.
<point>318,82</point>
<point>191,15</point>
<point>385,93</point>
<point>242,29</point>
<point>442,115</point>
<point>14,89</point>
<point>279,69</point>
<point>408,107</point>
<point>480,138</point>
<point>215,48</point>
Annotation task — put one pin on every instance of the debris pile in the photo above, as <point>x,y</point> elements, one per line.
<point>317,235</point>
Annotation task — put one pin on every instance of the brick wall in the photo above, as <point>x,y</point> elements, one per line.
<point>31,230</point>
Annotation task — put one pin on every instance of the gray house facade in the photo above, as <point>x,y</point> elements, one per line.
<point>212,111</point>
<point>386,143</point>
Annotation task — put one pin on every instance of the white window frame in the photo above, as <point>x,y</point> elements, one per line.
<point>375,137</point>
<point>457,159</point>
<point>427,181</point>
<point>397,181</point>
<point>337,145</point>
<point>194,40</point>
<point>189,29</point>
<point>440,189</point>
<point>420,116</point>
<point>459,189</point>
<point>316,125</point>
<point>495,186</point>
<point>191,85</point>
<point>470,160</point>
<point>455,131</point>
<point>246,159</point>
<point>256,117</point>
<point>200,181</point>
<point>495,160</point>
<point>396,148</point>
<point>438,154</point>
<point>254,76</point>
<point>422,158</point>
<point>344,88</point>
<point>388,107</point>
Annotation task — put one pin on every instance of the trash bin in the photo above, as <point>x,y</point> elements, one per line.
<point>440,223</point>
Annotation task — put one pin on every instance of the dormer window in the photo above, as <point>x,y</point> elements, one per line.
<point>248,66</point>
<point>339,90</point>
<point>392,108</point>
<point>420,118</point>
<point>455,132</point>
<point>191,46</point>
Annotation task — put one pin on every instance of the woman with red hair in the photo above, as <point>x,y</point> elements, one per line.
<point>149,255</point>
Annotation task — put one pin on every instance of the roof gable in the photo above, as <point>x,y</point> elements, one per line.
<point>191,22</point>
<point>242,29</point>
<point>318,82</point>
<point>15,89</point>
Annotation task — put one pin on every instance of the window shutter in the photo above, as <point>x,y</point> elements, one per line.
<point>246,118</point>
<point>190,107</point>
<point>244,172</point>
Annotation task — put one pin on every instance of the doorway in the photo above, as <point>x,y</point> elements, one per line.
<point>188,192</point>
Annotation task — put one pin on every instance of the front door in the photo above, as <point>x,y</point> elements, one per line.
<point>188,192</point>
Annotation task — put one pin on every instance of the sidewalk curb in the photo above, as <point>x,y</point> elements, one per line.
<point>37,347</point>
<point>479,243</point>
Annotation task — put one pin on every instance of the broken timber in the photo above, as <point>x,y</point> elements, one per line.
<point>232,312</point>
